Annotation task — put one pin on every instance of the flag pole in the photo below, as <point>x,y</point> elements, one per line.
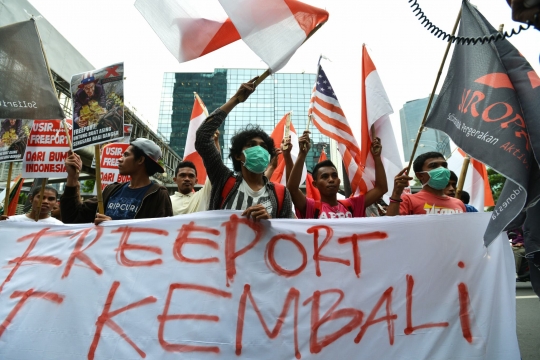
<point>462,176</point>
<point>97,155</point>
<point>8,188</point>
<point>421,129</point>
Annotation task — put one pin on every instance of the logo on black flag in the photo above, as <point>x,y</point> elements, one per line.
<point>482,109</point>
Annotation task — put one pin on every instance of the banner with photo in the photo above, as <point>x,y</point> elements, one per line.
<point>98,106</point>
<point>13,137</point>
<point>47,150</point>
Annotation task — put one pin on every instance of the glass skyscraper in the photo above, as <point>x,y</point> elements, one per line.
<point>274,97</point>
<point>411,116</point>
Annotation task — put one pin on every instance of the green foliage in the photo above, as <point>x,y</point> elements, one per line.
<point>22,198</point>
<point>87,186</point>
<point>496,182</point>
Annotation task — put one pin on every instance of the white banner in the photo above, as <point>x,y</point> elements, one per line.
<point>214,285</point>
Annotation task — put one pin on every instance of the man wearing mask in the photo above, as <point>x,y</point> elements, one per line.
<point>251,150</point>
<point>432,170</point>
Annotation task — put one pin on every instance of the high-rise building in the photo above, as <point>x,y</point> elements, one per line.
<point>274,97</point>
<point>411,116</point>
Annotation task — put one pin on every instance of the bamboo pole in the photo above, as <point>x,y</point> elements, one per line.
<point>462,176</point>
<point>97,155</point>
<point>8,188</point>
<point>421,129</point>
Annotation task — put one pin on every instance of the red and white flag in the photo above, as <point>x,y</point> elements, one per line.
<point>376,110</point>
<point>198,115</point>
<point>329,118</point>
<point>273,29</point>
<point>279,175</point>
<point>476,180</point>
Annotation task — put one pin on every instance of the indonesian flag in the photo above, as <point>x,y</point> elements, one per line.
<point>273,29</point>
<point>198,115</point>
<point>376,109</point>
<point>279,175</point>
<point>476,180</point>
<point>311,191</point>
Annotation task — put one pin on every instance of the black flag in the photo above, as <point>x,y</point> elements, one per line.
<point>26,91</point>
<point>490,106</point>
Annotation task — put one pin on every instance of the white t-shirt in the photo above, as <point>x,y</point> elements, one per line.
<point>192,202</point>
<point>246,197</point>
<point>23,218</point>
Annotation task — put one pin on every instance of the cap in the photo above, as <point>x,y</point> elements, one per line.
<point>87,79</point>
<point>151,150</point>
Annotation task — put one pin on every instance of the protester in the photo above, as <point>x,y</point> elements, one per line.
<point>55,212</point>
<point>450,190</point>
<point>432,170</point>
<point>466,198</point>
<point>186,200</point>
<point>50,196</point>
<point>327,181</point>
<point>139,198</point>
<point>251,150</point>
<point>525,13</point>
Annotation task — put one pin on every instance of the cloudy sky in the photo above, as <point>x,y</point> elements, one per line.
<point>405,54</point>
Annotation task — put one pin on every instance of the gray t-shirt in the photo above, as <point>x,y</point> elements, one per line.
<point>246,197</point>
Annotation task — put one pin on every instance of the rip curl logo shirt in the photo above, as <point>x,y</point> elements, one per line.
<point>124,203</point>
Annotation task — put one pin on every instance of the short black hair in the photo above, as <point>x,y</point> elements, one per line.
<point>465,197</point>
<point>453,176</point>
<point>324,163</point>
<point>149,164</point>
<point>37,189</point>
<point>184,164</point>
<point>418,163</point>
<point>241,138</point>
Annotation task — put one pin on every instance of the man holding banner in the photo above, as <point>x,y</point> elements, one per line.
<point>139,198</point>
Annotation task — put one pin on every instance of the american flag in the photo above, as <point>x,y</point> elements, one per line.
<point>329,118</point>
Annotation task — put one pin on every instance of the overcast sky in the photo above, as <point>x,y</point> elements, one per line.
<point>407,56</point>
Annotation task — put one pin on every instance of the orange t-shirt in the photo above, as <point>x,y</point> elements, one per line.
<point>424,202</point>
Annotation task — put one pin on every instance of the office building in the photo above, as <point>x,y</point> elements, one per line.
<point>274,97</point>
<point>411,116</point>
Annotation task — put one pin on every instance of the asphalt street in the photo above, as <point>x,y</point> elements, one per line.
<point>528,321</point>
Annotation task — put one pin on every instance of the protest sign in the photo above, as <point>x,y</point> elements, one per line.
<point>125,140</point>
<point>13,138</point>
<point>47,150</point>
<point>98,106</point>
<point>217,285</point>
<point>109,164</point>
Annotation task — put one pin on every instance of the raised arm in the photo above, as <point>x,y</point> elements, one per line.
<point>401,181</point>
<point>293,184</point>
<point>381,186</point>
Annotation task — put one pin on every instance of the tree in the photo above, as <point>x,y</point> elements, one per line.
<point>87,186</point>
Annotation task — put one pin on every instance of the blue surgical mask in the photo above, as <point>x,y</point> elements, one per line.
<point>257,159</point>
<point>438,178</point>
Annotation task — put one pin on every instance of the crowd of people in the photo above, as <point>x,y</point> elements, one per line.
<point>247,188</point>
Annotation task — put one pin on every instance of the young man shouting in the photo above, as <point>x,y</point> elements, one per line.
<point>327,181</point>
